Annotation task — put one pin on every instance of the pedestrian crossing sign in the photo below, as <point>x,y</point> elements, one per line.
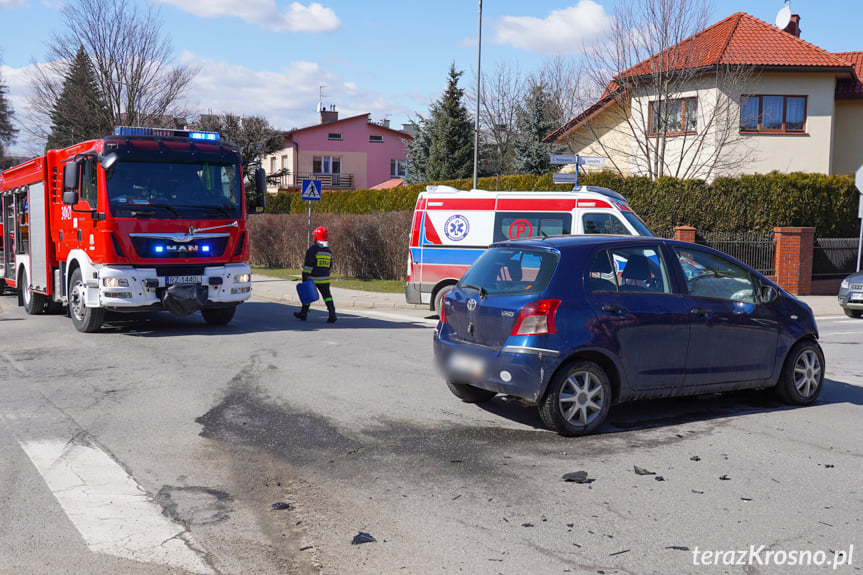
<point>311,190</point>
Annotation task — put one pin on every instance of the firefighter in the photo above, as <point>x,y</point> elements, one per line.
<point>316,267</point>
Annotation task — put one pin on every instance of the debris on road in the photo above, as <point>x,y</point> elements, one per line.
<point>279,506</point>
<point>725,478</point>
<point>694,458</point>
<point>642,471</point>
<point>577,477</point>
<point>362,537</point>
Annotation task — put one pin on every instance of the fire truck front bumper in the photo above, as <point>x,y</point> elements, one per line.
<point>134,289</point>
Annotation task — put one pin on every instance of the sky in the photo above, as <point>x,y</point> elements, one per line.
<point>280,58</point>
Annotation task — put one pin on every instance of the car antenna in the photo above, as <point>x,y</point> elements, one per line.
<point>544,235</point>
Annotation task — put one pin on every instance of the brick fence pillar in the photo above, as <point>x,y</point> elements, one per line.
<point>792,261</point>
<point>685,234</point>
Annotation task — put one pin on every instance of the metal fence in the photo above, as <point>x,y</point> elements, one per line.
<point>752,248</point>
<point>834,257</point>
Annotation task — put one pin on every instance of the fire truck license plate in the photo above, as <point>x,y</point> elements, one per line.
<point>183,280</point>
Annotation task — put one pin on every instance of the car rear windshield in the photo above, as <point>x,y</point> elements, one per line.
<point>510,271</point>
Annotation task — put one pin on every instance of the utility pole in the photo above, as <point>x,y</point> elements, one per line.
<point>478,96</point>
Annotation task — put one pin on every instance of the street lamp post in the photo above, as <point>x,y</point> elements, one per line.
<point>478,96</point>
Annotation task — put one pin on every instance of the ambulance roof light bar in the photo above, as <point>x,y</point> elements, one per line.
<point>138,131</point>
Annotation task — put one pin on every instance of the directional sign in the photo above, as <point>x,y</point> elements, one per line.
<point>565,178</point>
<point>562,159</point>
<point>590,161</point>
<point>312,190</point>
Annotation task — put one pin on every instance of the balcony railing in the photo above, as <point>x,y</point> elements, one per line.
<point>328,181</point>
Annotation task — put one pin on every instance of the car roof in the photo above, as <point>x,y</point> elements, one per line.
<point>568,241</point>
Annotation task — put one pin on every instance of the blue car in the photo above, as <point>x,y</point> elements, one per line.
<point>577,324</point>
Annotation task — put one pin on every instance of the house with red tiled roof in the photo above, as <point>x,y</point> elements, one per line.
<point>344,154</point>
<point>744,97</point>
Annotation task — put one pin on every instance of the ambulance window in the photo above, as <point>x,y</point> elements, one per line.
<point>516,225</point>
<point>88,183</point>
<point>603,223</point>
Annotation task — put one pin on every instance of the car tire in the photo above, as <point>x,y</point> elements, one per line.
<point>855,313</point>
<point>802,375</point>
<point>218,315</point>
<point>85,319</point>
<point>34,303</point>
<point>438,298</point>
<point>469,393</point>
<point>578,399</point>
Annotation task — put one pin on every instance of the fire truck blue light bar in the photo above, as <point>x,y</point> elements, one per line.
<point>137,131</point>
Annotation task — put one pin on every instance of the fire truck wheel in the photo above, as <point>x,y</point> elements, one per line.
<point>218,315</point>
<point>34,303</point>
<point>85,319</point>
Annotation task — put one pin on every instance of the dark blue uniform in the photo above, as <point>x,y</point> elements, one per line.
<point>316,267</point>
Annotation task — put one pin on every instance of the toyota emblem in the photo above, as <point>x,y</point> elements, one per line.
<point>471,304</point>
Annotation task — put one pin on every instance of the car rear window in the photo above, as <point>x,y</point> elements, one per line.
<point>511,271</point>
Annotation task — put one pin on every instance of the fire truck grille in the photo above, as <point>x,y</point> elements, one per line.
<point>149,247</point>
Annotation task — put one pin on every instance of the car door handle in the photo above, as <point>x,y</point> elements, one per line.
<point>699,311</point>
<point>614,308</point>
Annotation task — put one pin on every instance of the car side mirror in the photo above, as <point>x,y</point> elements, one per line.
<point>70,183</point>
<point>768,294</point>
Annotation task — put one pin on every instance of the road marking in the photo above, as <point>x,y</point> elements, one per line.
<point>111,511</point>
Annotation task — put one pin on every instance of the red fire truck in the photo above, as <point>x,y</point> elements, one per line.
<point>144,220</point>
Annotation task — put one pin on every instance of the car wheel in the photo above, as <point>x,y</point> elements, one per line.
<point>469,393</point>
<point>34,303</point>
<point>85,319</point>
<point>218,315</point>
<point>855,313</point>
<point>802,375</point>
<point>438,298</point>
<point>578,399</point>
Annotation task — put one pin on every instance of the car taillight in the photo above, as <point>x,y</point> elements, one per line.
<point>536,318</point>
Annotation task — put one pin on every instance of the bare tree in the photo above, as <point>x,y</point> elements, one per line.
<point>130,58</point>
<point>668,108</point>
<point>502,94</point>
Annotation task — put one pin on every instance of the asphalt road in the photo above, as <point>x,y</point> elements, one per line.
<point>160,446</point>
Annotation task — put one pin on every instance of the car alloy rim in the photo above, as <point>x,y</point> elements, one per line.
<point>807,373</point>
<point>581,398</point>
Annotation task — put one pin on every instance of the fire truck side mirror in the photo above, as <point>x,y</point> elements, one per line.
<point>261,187</point>
<point>70,183</point>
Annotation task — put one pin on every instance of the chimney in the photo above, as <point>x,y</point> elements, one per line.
<point>793,27</point>
<point>329,116</point>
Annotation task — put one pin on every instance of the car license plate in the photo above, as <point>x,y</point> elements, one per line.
<point>856,296</point>
<point>183,280</point>
<point>465,363</point>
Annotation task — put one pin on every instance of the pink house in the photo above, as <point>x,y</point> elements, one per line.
<point>349,154</point>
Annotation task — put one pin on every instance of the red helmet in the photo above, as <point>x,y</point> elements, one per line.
<point>320,234</point>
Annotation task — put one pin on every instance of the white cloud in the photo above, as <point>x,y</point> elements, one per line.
<point>287,98</point>
<point>12,3</point>
<point>565,31</point>
<point>264,13</point>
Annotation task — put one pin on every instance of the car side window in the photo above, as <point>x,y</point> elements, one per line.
<point>640,270</point>
<point>601,277</point>
<point>603,223</point>
<point>709,275</point>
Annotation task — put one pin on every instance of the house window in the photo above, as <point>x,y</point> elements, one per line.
<point>673,117</point>
<point>773,114</point>
<point>273,165</point>
<point>326,165</point>
<point>334,136</point>
<point>398,168</point>
<point>376,139</point>
<point>284,162</point>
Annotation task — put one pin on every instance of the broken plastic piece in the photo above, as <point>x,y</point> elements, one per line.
<point>577,477</point>
<point>362,537</point>
<point>642,471</point>
<point>280,506</point>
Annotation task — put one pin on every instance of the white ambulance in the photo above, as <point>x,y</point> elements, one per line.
<point>451,228</point>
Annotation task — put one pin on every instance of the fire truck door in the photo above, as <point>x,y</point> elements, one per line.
<point>7,213</point>
<point>37,218</point>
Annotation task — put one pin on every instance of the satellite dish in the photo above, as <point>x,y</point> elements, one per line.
<point>784,17</point>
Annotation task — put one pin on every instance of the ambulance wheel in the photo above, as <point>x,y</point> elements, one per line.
<point>85,319</point>
<point>34,303</point>
<point>218,315</point>
<point>438,298</point>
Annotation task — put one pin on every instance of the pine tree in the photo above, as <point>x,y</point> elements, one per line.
<point>80,113</point>
<point>7,129</point>
<point>535,123</point>
<point>442,148</point>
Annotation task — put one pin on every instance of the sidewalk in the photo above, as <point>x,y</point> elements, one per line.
<point>285,291</point>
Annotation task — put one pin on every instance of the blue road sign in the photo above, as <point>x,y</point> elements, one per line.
<point>311,190</point>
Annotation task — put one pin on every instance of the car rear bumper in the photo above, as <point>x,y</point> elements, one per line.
<point>519,371</point>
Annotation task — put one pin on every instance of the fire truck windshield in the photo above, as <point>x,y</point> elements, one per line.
<point>174,190</point>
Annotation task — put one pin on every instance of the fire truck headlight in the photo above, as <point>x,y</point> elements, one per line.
<point>115,282</point>
<point>242,278</point>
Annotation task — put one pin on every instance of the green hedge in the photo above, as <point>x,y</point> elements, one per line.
<point>744,203</point>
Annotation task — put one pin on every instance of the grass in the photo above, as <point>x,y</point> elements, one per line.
<point>381,286</point>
